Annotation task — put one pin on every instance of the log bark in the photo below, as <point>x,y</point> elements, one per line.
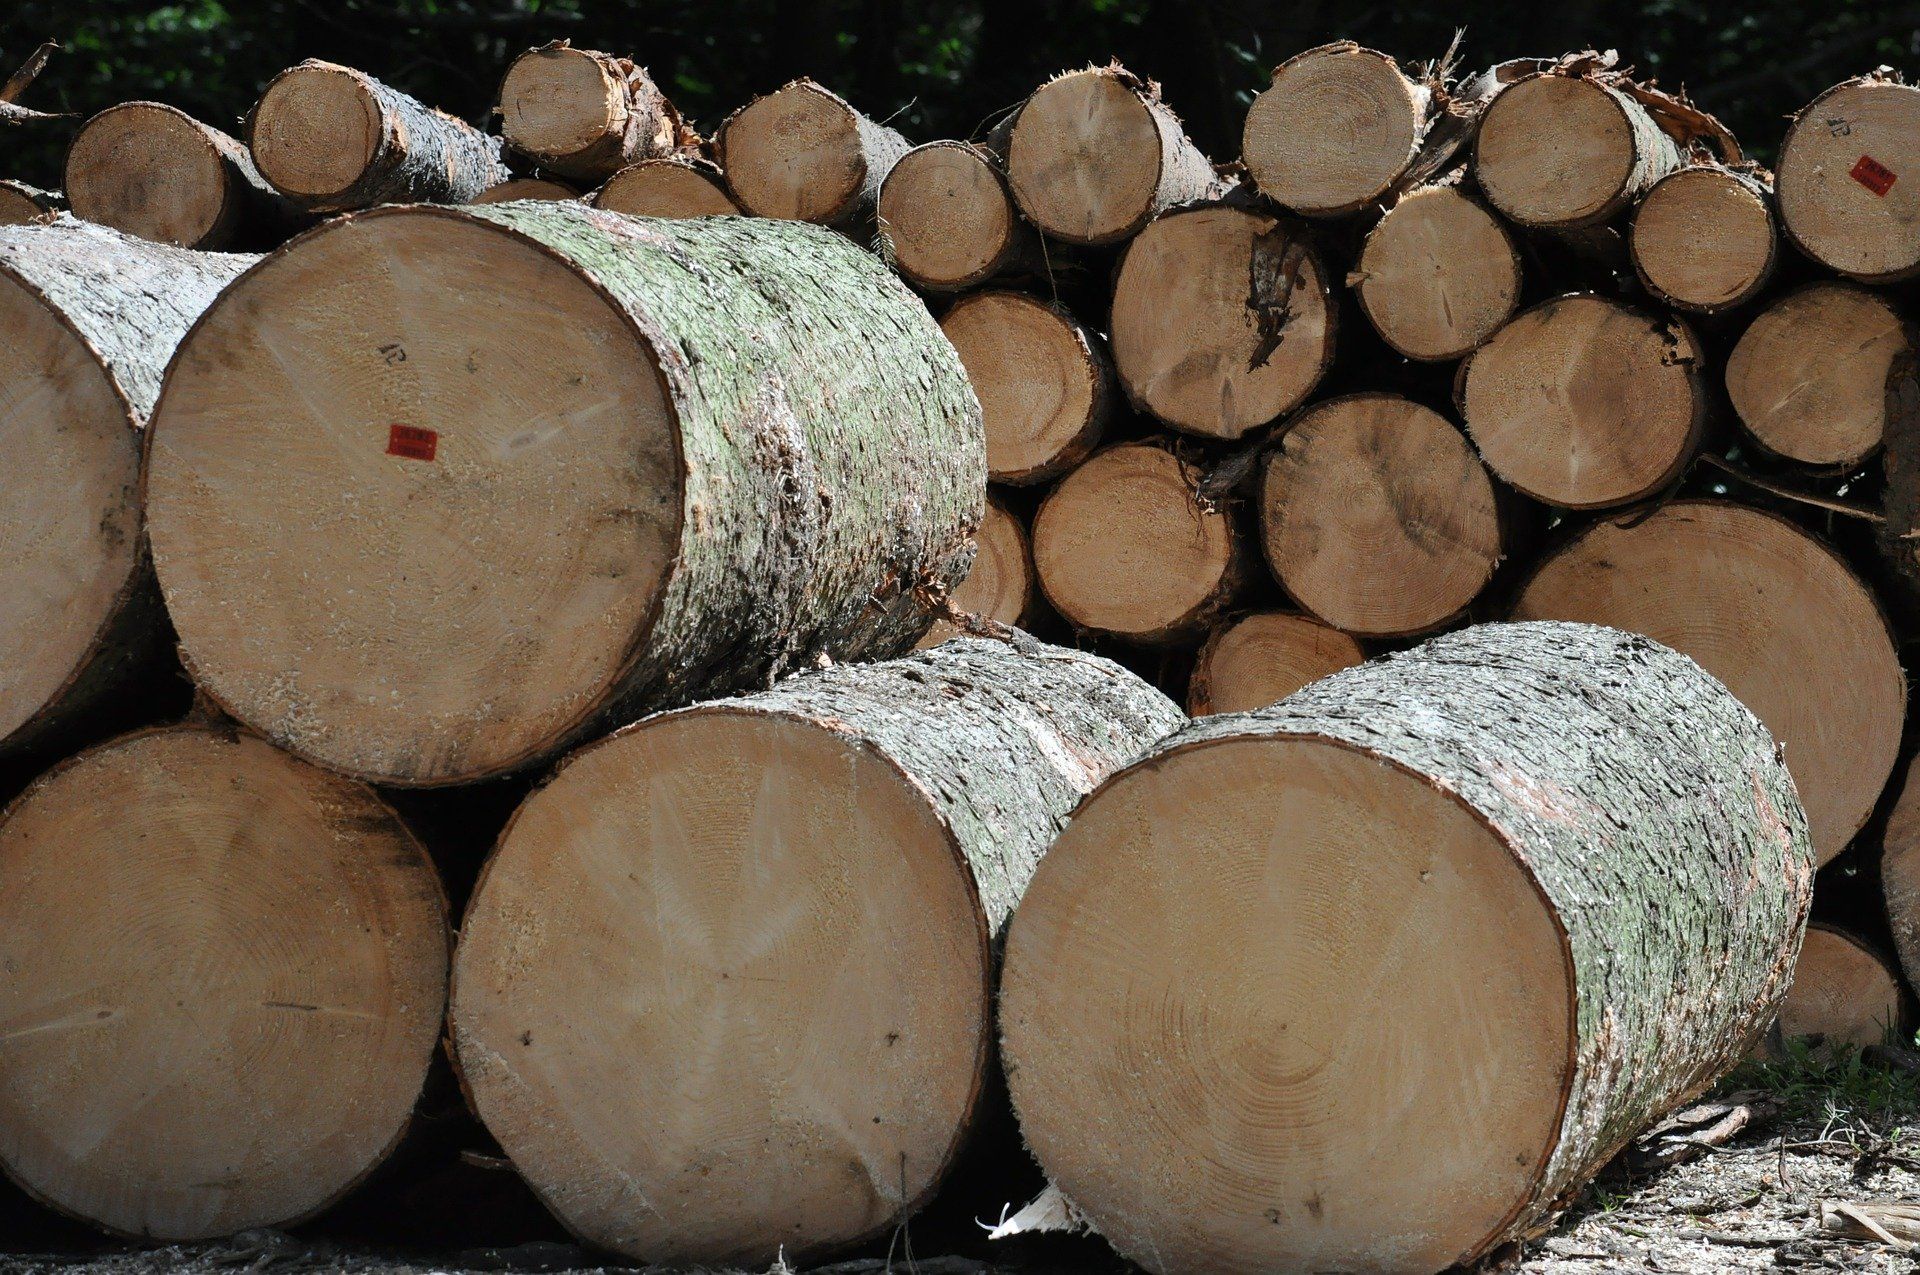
<point>1045,383</point>
<point>806,154</point>
<point>1843,200</point>
<point>585,115</point>
<point>1808,378</point>
<point>333,139</point>
<point>525,188</point>
<point>668,188</point>
<point>801,469</point>
<point>1900,873</point>
<point>149,170</point>
<point>1336,129</point>
<point>1262,658</point>
<point>1000,588</point>
<point>1845,993</point>
<point>1095,155</point>
<point>874,826</point>
<point>93,317</point>
<point>1288,937</point>
<point>21,204</point>
<point>274,1058</point>
<point>1438,275</point>
<point>948,221</point>
<point>1703,237</point>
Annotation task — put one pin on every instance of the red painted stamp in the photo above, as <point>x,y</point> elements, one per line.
<point>1873,174</point>
<point>412,442</point>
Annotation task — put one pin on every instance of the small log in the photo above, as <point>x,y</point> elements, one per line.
<point>273,1058</point>
<point>679,187</point>
<point>1045,383</point>
<point>1775,614</point>
<point>525,188</point>
<point>1586,403</point>
<point>805,154</point>
<point>332,139</point>
<point>1377,517</point>
<point>1222,320</point>
<point>1094,155</point>
<point>583,114</point>
<point>1843,992</point>
<point>1123,546</point>
<point>1371,979</point>
<point>1337,128</point>
<point>1808,378</point>
<point>149,170</point>
<point>1438,275</point>
<point>1000,587</point>
<point>92,317</point>
<point>1849,179</point>
<point>1703,237</point>
<point>393,440</point>
<point>948,221</point>
<point>22,205</point>
<point>827,865</point>
<point>1262,658</point>
<point>1567,148</point>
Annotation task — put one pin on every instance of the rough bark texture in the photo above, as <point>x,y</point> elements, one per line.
<point>644,124</point>
<point>21,203</point>
<point>789,353</point>
<point>424,157</point>
<point>1653,812</point>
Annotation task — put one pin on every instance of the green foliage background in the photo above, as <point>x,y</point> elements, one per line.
<point>935,68</point>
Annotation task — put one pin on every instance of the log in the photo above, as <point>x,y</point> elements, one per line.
<point>668,188</point>
<point>1438,275</point>
<point>583,114</point>
<point>1585,402</point>
<point>1123,546</point>
<point>333,139</point>
<point>1045,383</point>
<point>525,188</point>
<point>1568,148</point>
<point>393,440</point>
<point>1703,237</point>
<point>1094,155</point>
<point>776,917</point>
<point>1262,658</point>
<point>226,971</point>
<point>1900,871</point>
<point>1341,985</point>
<point>1808,378</point>
<point>1842,200</point>
<point>948,221</point>
<point>805,154</point>
<point>1337,128</point>
<point>1772,612</point>
<point>1222,320</point>
<point>21,204</point>
<point>149,170</point>
<point>1000,586</point>
<point>1377,517</point>
<point>1843,992</point>
<point>92,318</point>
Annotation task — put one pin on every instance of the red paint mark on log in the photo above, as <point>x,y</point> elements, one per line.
<point>412,442</point>
<point>1873,174</point>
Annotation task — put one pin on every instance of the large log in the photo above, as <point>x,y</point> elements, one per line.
<point>948,221</point>
<point>1438,275</point>
<point>1569,148</point>
<point>1045,382</point>
<point>1808,378</point>
<point>225,977</point>
<point>1585,402</point>
<point>91,317</point>
<point>1337,127</point>
<point>1703,237</point>
<point>725,989</point>
<point>584,114</point>
<point>1370,979</point>
<point>433,490</point>
<point>1843,992</point>
<point>21,204</point>
<point>1000,587</point>
<point>1377,517</point>
<point>1222,320</point>
<point>1849,179</point>
<point>331,138</point>
<point>806,154</point>
<point>678,187</point>
<point>1775,614</point>
<point>1094,155</point>
<point>1262,658</point>
<point>147,169</point>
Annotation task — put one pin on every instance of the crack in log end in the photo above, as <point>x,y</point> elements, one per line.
<point>1274,269</point>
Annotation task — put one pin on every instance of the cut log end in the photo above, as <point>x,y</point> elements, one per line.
<point>1774,614</point>
<point>1567,151</point>
<point>1377,517</point>
<point>1849,180</point>
<point>1041,378</point>
<point>1809,376</point>
<point>273,1059</point>
<point>1262,658</point>
<point>149,170</point>
<point>666,188</point>
<point>23,205</point>
<point>1334,131</point>
<point>1222,321</point>
<point>317,130</point>
<point>1122,546</point>
<point>1703,239</point>
<point>799,919</point>
<point>1000,587</point>
<point>525,188</point>
<point>1843,991</point>
<point>1438,275</point>
<point>948,218</point>
<point>1586,403</point>
<point>801,153</point>
<point>565,108</point>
